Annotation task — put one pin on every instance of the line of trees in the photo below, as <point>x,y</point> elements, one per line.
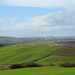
<point>1,45</point>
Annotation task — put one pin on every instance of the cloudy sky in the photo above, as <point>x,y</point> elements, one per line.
<point>36,18</point>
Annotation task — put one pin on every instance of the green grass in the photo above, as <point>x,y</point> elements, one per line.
<point>61,56</point>
<point>57,59</point>
<point>40,71</point>
<point>22,54</point>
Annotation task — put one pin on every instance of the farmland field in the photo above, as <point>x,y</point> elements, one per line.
<point>22,54</point>
<point>57,59</point>
<point>40,71</point>
<point>66,52</point>
<point>42,54</point>
<point>64,55</point>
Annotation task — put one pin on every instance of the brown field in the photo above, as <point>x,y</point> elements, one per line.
<point>69,44</point>
<point>66,52</point>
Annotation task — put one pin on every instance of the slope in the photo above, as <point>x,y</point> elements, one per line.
<point>61,56</point>
<point>22,54</point>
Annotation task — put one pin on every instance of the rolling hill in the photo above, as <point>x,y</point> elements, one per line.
<point>22,54</point>
<point>40,54</point>
<point>12,40</point>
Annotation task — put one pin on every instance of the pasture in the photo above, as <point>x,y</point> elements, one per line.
<point>40,71</point>
<point>40,54</point>
<point>23,54</point>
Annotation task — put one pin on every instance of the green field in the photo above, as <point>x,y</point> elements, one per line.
<point>40,71</point>
<point>22,54</point>
<point>57,59</point>
<point>43,54</point>
<point>64,55</point>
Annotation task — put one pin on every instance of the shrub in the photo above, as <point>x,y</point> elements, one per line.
<point>15,66</point>
<point>3,67</point>
<point>32,64</point>
<point>67,65</point>
<point>23,65</point>
<point>51,64</point>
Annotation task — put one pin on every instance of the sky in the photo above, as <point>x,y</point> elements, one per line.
<point>37,18</point>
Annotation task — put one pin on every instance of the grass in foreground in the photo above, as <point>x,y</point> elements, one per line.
<point>40,71</point>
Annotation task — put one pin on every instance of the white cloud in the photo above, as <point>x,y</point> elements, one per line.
<point>37,3</point>
<point>1,20</point>
<point>54,19</point>
<point>3,29</point>
<point>34,3</point>
<point>57,22</point>
<point>13,20</point>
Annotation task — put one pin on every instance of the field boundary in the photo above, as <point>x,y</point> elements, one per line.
<point>45,56</point>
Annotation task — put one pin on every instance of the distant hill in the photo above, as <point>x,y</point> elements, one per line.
<point>9,40</point>
<point>50,44</point>
<point>12,40</point>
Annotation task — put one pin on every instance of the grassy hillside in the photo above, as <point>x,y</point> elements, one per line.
<point>57,60</point>
<point>40,71</point>
<point>40,54</point>
<point>22,54</point>
<point>61,56</point>
<point>45,55</point>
